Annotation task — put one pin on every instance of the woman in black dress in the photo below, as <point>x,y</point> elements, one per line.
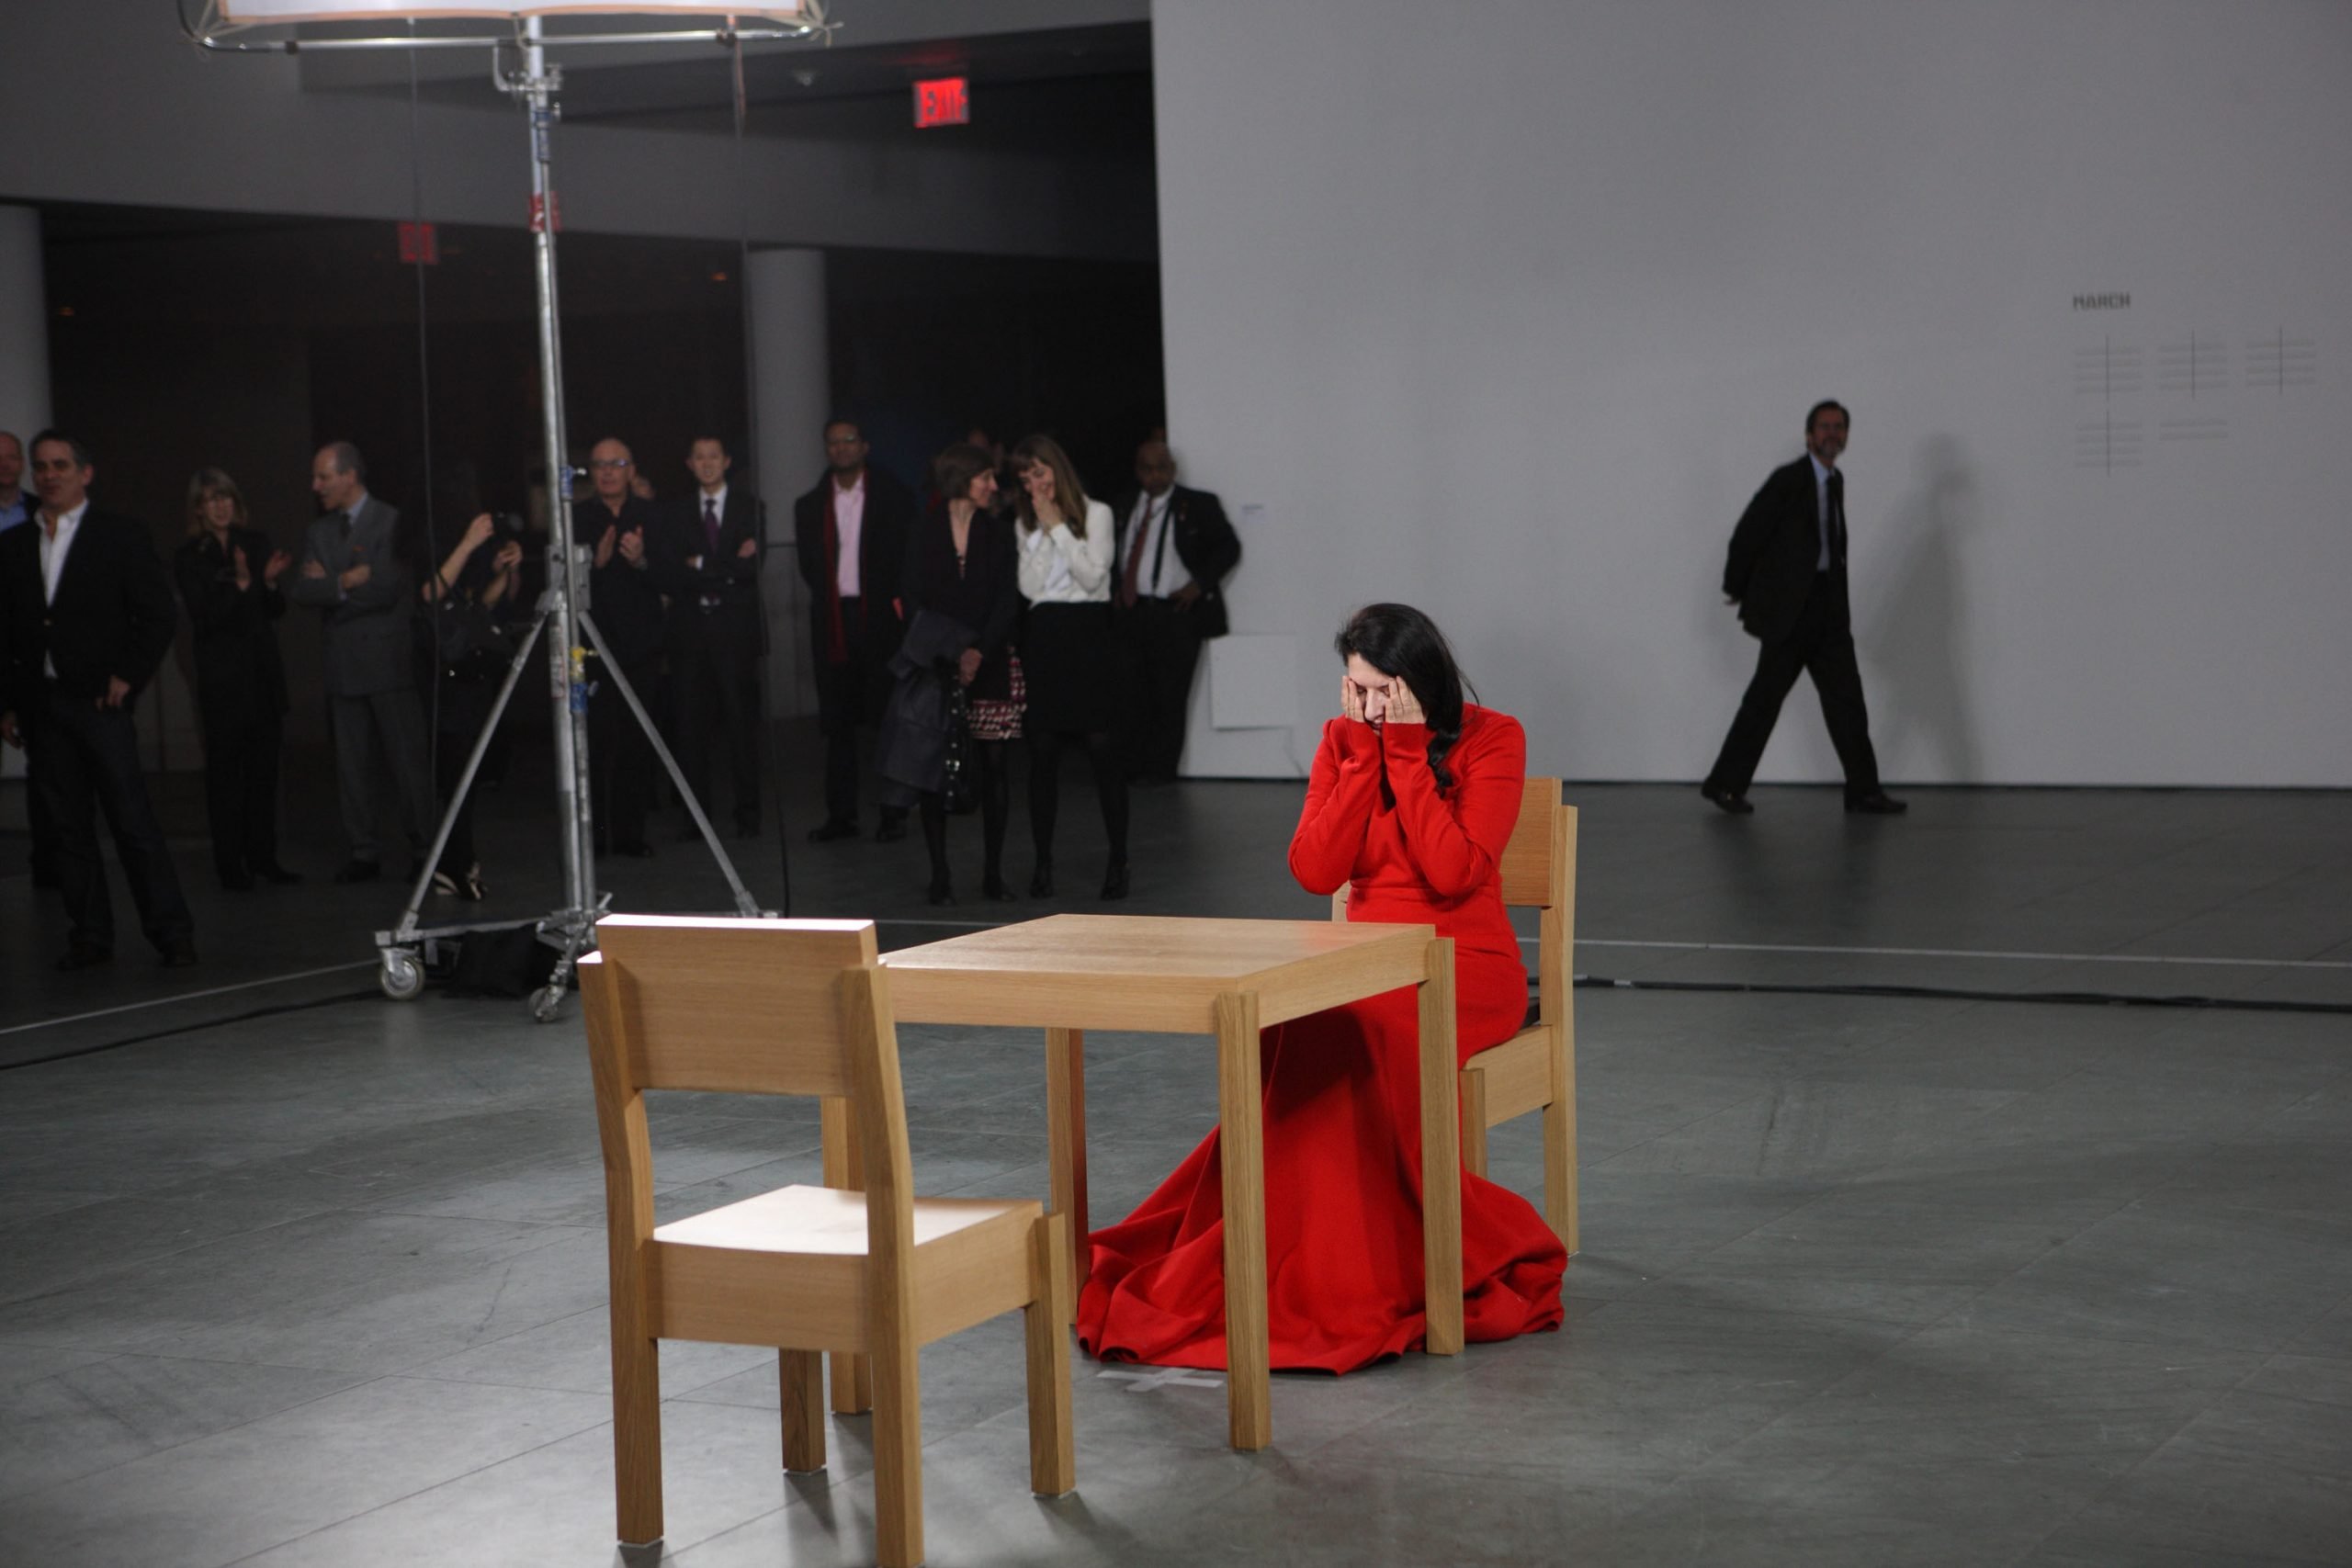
<point>465,596</point>
<point>228,578</point>
<point>1064,545</point>
<point>960,565</point>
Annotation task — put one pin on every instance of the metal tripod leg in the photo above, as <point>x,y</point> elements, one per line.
<point>744,903</point>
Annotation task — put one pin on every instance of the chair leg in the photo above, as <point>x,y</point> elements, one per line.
<point>1053,1464</point>
<point>800,1378</point>
<point>1474,1122</point>
<point>853,1383</point>
<point>897,1450</point>
<point>637,1439</point>
<point>1560,1167</point>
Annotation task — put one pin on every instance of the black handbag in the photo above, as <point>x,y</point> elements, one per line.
<point>469,641</point>
<point>958,794</point>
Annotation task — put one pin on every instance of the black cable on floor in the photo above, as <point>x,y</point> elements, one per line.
<point>371,994</point>
<point>1959,994</point>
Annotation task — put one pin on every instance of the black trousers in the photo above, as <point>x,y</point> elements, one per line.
<point>1160,649</point>
<point>621,764</point>
<point>850,696</point>
<point>379,744</point>
<point>1045,748</point>
<point>465,708</point>
<point>241,790</point>
<point>1821,645</point>
<point>84,760</point>
<point>716,680</point>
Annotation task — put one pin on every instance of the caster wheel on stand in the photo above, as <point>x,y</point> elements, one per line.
<point>403,976</point>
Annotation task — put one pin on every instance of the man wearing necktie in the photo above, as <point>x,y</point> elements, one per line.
<point>1787,574</point>
<point>1174,549</point>
<point>357,573</point>
<point>709,563</point>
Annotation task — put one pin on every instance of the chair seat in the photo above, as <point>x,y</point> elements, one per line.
<point>796,1261</point>
<point>827,1221</point>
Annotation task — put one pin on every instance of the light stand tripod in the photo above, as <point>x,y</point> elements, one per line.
<point>562,608</point>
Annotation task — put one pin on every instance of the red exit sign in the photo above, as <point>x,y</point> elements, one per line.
<point>943,100</point>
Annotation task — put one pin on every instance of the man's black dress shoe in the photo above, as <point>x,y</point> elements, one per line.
<point>1041,881</point>
<point>993,890</point>
<point>1723,799</point>
<point>1878,802</point>
<point>831,828</point>
<point>1115,881</point>
<point>277,875</point>
<point>179,955</point>
<point>238,882</point>
<point>940,892</point>
<point>893,827</point>
<point>357,870</point>
<point>79,957</point>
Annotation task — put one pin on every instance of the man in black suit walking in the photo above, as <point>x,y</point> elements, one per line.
<point>85,616</point>
<point>850,532</point>
<point>708,561</point>
<point>1787,573</point>
<point>1174,549</point>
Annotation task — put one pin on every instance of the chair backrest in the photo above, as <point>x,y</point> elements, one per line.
<point>1534,871</point>
<point>747,1006</point>
<point>737,1006</point>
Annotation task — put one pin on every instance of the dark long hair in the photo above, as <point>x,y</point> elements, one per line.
<point>1404,644</point>
<point>1069,492</point>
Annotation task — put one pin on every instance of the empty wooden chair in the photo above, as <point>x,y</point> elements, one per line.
<point>1536,1068</point>
<point>798,1008</point>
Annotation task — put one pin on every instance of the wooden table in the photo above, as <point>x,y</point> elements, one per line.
<point>1067,974</point>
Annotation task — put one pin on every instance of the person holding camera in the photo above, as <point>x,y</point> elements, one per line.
<point>463,596</point>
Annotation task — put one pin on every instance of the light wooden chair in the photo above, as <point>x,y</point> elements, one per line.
<point>1536,1068</point>
<point>798,1008</point>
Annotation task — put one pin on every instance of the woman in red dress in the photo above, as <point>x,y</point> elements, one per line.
<point>1413,794</point>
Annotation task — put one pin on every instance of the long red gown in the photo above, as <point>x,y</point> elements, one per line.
<point>1342,1094</point>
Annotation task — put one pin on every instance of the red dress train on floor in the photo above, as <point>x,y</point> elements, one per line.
<point>1342,1094</point>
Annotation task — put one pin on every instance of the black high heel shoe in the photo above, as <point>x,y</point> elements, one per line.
<point>1041,885</point>
<point>941,893</point>
<point>1115,881</point>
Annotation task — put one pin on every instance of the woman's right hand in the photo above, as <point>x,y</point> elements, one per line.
<point>967,668</point>
<point>478,532</point>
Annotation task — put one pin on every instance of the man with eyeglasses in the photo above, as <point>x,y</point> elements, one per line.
<point>850,532</point>
<point>85,616</point>
<point>626,607</point>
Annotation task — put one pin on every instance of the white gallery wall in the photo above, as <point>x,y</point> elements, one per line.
<point>1506,310</point>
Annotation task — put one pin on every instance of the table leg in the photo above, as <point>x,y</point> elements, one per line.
<point>1066,1141</point>
<point>1241,1143</point>
<point>1441,1158</point>
<point>844,1166</point>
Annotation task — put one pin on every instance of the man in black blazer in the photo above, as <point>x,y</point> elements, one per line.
<point>357,573</point>
<point>1173,550</point>
<point>1787,573</point>
<point>708,561</point>
<point>85,616</point>
<point>850,532</point>
<point>626,604</point>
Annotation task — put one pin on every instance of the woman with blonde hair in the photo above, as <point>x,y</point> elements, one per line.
<point>228,574</point>
<point>1067,652</point>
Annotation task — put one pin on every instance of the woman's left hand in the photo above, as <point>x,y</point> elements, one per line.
<point>1404,707</point>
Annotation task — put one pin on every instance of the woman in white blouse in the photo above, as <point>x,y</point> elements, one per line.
<point>1067,652</point>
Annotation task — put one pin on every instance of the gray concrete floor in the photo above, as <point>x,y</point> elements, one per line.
<point>1867,1278</point>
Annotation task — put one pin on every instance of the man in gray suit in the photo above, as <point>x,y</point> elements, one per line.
<point>355,573</point>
